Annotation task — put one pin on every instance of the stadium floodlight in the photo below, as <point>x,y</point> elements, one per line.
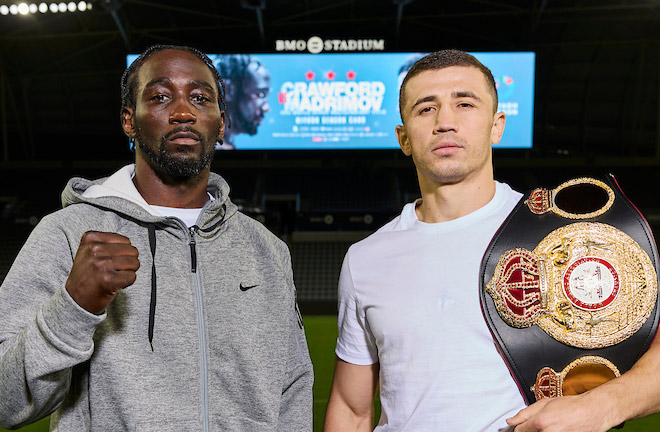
<point>25,8</point>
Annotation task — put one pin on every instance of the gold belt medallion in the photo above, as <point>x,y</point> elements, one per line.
<point>587,284</point>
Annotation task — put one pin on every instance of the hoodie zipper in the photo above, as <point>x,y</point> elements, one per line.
<point>193,252</point>
<point>201,330</point>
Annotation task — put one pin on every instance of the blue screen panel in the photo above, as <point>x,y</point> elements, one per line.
<point>350,100</point>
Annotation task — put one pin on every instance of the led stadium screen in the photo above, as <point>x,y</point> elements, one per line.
<point>348,100</point>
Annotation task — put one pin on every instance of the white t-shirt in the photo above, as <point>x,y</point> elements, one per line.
<point>409,299</point>
<point>188,216</point>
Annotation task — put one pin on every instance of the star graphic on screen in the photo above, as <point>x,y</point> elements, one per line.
<point>330,75</point>
<point>309,75</point>
<point>350,75</point>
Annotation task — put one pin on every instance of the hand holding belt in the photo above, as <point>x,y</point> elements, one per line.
<point>569,284</point>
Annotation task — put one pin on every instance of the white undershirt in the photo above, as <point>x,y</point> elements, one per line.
<point>188,216</point>
<point>120,184</point>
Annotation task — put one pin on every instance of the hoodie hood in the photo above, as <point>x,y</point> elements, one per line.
<point>118,193</point>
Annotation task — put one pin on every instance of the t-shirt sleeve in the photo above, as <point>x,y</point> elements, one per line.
<point>355,343</point>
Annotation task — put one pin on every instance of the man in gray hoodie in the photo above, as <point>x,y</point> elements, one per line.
<point>149,303</point>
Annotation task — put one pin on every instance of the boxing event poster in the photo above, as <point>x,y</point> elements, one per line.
<point>350,100</point>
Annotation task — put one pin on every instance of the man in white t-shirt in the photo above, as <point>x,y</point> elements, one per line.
<point>410,321</point>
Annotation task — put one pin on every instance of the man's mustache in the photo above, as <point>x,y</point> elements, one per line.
<point>180,129</point>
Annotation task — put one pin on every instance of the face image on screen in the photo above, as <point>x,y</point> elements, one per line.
<point>347,100</point>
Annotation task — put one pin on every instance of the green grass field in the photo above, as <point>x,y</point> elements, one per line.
<point>321,335</point>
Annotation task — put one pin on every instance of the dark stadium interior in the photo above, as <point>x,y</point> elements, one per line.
<point>596,106</point>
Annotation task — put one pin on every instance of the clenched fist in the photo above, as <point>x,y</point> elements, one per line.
<point>104,264</point>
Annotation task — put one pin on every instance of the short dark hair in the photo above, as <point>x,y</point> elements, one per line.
<point>129,77</point>
<point>444,59</point>
<point>410,61</point>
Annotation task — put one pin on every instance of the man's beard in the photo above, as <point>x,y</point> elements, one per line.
<point>177,168</point>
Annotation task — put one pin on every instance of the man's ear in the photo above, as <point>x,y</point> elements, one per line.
<point>499,121</point>
<point>404,141</point>
<point>127,121</point>
<point>223,122</point>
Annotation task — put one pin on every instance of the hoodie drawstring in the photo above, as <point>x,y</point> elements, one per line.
<point>152,305</point>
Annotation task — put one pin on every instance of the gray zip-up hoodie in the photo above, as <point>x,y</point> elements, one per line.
<point>229,351</point>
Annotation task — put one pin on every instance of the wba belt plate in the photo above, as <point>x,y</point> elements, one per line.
<point>569,287</point>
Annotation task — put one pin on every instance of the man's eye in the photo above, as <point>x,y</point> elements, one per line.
<point>159,98</point>
<point>201,99</point>
<point>426,110</point>
<point>465,105</point>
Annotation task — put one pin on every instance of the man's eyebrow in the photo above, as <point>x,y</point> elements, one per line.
<point>153,82</point>
<point>166,80</point>
<point>422,100</point>
<point>466,94</point>
<point>203,84</point>
<point>456,95</point>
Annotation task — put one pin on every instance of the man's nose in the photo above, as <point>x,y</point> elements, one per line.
<point>445,119</point>
<point>182,113</point>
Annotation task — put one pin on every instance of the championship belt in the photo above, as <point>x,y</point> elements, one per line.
<point>569,288</point>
